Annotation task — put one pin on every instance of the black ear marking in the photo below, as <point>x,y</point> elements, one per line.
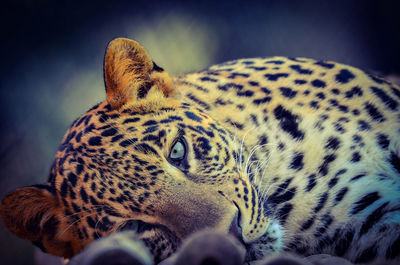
<point>157,68</point>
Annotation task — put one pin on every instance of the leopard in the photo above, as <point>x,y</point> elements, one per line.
<point>284,153</point>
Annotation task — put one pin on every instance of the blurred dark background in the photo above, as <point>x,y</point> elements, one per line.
<point>52,52</point>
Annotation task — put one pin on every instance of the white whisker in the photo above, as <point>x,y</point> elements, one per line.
<point>68,227</point>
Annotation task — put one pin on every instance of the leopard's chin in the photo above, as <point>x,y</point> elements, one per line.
<point>269,243</point>
<point>159,239</point>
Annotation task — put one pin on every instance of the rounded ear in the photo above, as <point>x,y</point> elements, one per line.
<point>33,213</point>
<point>129,73</point>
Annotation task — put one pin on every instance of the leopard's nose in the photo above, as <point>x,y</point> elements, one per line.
<point>235,228</point>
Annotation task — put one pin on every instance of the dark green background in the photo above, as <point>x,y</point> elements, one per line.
<point>52,52</point>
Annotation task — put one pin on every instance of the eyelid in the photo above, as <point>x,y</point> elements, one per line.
<point>179,136</point>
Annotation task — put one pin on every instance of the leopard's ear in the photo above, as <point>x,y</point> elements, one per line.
<point>129,74</point>
<point>33,213</point>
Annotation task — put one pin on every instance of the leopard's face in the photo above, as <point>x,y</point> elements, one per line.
<point>169,172</point>
<point>146,161</point>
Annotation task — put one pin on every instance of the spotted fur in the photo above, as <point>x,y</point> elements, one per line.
<point>285,153</point>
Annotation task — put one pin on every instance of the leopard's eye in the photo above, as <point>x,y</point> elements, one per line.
<point>178,152</point>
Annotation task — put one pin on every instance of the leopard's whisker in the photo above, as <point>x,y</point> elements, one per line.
<point>68,227</point>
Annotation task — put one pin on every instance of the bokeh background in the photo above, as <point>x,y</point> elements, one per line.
<point>52,53</point>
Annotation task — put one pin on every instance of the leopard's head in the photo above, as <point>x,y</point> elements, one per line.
<point>145,160</point>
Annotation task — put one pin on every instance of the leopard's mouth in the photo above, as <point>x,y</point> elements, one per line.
<point>269,243</point>
<point>236,230</point>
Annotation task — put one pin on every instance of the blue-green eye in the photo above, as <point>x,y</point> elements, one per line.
<point>178,151</point>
